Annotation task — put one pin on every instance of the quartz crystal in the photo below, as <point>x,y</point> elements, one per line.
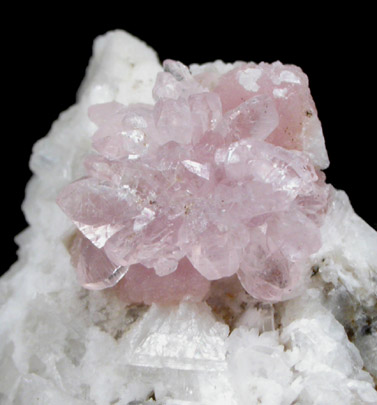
<point>220,176</point>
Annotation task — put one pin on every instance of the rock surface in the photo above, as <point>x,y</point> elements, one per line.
<point>60,343</point>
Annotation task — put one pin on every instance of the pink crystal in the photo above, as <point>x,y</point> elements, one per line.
<point>143,285</point>
<point>211,181</point>
<point>94,269</point>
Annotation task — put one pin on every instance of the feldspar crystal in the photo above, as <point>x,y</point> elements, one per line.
<point>221,176</point>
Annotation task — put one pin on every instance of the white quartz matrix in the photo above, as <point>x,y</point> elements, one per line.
<point>62,344</point>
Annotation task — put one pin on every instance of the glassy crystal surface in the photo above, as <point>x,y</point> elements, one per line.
<point>220,177</point>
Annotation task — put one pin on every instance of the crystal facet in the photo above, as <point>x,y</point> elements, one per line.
<point>221,176</point>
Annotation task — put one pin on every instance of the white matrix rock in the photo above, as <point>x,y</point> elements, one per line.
<point>61,344</point>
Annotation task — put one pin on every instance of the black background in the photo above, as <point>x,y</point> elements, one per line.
<point>45,54</point>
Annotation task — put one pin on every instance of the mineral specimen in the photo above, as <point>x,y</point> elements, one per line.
<point>222,173</point>
<point>62,344</point>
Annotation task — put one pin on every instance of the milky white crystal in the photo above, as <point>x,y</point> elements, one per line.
<point>62,344</point>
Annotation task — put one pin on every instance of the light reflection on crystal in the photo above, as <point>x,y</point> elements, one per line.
<point>222,174</point>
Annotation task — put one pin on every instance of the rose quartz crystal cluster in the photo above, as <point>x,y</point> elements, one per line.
<point>211,181</point>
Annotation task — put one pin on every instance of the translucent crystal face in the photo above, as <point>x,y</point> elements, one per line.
<point>220,177</point>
